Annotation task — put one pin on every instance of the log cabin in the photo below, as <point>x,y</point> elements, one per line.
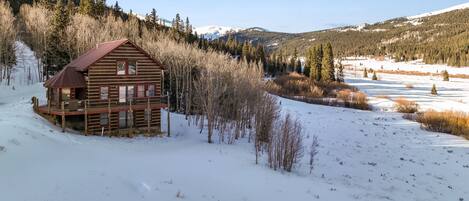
<point>113,89</point>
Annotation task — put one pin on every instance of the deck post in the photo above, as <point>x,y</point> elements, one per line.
<point>130,131</point>
<point>63,116</point>
<point>169,118</point>
<point>109,116</point>
<point>86,117</point>
<point>149,115</point>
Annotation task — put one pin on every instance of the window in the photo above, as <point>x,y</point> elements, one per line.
<point>122,119</point>
<point>147,115</point>
<point>130,93</point>
<point>104,119</point>
<point>121,65</point>
<point>150,91</point>
<point>65,94</point>
<point>126,67</point>
<point>141,91</point>
<point>126,119</point>
<point>104,91</point>
<point>132,67</point>
<point>122,94</point>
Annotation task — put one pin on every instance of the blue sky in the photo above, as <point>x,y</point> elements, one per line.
<point>287,15</point>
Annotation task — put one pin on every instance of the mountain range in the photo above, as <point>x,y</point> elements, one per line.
<point>440,36</point>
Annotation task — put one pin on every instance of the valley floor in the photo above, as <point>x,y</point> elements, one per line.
<point>363,156</point>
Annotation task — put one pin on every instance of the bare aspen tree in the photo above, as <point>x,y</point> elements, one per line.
<point>36,20</point>
<point>285,147</point>
<point>7,41</point>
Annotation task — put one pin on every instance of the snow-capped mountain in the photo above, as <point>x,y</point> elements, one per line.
<point>457,7</point>
<point>214,32</point>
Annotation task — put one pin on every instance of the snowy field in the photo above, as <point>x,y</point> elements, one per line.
<point>452,95</point>
<point>389,64</point>
<point>363,155</point>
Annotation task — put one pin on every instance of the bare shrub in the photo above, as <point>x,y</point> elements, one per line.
<point>403,105</point>
<point>313,151</point>
<point>266,116</point>
<point>456,123</point>
<point>285,147</point>
<point>353,99</point>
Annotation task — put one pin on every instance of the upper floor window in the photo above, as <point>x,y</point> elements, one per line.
<point>104,93</point>
<point>126,67</point>
<point>141,91</point>
<point>150,91</point>
<point>121,68</point>
<point>132,67</point>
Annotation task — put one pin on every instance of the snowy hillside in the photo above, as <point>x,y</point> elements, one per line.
<point>457,7</point>
<point>363,156</point>
<point>214,32</point>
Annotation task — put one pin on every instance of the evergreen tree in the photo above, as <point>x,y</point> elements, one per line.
<point>245,51</point>
<point>445,75</point>
<point>315,62</point>
<point>154,16</point>
<point>434,91</point>
<point>70,10</point>
<point>365,73</point>
<point>100,8</point>
<point>293,60</point>
<point>298,66</point>
<point>116,9</point>
<point>307,70</point>
<point>87,7</point>
<point>188,27</point>
<point>340,72</point>
<point>56,56</point>
<point>177,23</point>
<point>374,76</point>
<point>328,71</point>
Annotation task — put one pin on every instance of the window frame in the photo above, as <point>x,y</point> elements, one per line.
<point>143,87</point>
<point>126,67</point>
<point>128,97</point>
<point>106,118</point>
<point>147,91</point>
<point>101,93</point>
<point>65,96</point>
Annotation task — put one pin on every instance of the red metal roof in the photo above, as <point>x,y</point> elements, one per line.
<point>84,61</point>
<point>71,76</point>
<point>66,78</point>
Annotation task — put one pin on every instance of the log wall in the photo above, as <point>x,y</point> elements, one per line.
<point>104,74</point>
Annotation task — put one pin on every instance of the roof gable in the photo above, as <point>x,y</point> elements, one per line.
<point>101,50</point>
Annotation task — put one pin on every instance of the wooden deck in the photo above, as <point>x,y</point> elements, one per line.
<point>96,110</point>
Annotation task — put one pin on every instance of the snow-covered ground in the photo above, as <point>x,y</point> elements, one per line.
<point>452,95</point>
<point>25,72</point>
<point>363,155</point>
<point>389,64</point>
<point>452,8</point>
